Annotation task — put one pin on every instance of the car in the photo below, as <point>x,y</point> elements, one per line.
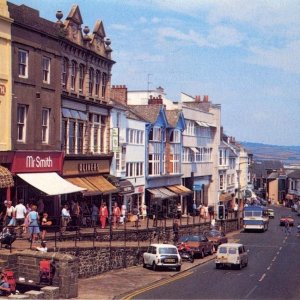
<point>216,237</point>
<point>199,244</point>
<point>162,256</point>
<point>271,213</point>
<point>288,219</point>
<point>231,254</point>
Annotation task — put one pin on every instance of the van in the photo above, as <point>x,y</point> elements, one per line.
<point>231,254</point>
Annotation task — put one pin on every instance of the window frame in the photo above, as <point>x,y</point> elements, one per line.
<point>46,69</point>
<point>45,126</point>
<point>23,64</point>
<point>22,124</point>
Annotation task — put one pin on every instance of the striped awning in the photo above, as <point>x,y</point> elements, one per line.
<point>161,193</point>
<point>225,197</point>
<point>6,178</point>
<point>179,189</point>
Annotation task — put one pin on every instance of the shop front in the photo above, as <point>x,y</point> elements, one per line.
<point>37,179</point>
<point>89,174</point>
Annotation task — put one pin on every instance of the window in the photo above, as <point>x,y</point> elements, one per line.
<point>91,81</point>
<point>45,125</point>
<point>46,70</point>
<point>104,82</point>
<point>135,136</point>
<point>154,158</point>
<point>190,128</point>
<point>175,159</point>
<point>73,75</point>
<point>23,63</point>
<point>64,73</point>
<point>175,136</point>
<point>155,134</point>
<point>134,169</point>
<point>81,77</point>
<point>21,123</point>
<point>98,80</point>
<point>187,155</point>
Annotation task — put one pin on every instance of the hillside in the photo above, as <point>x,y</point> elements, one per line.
<point>286,154</point>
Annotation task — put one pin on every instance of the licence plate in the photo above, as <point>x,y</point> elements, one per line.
<point>170,260</point>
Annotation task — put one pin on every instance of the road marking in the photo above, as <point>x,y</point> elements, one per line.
<point>262,277</point>
<point>274,258</point>
<point>269,267</point>
<point>277,252</point>
<point>251,291</point>
<point>280,248</point>
<point>155,285</point>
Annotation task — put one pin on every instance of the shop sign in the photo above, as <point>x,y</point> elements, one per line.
<point>37,162</point>
<point>115,140</point>
<point>85,167</point>
<point>139,189</point>
<point>197,187</point>
<point>2,90</point>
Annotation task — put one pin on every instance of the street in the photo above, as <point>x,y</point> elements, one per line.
<point>272,273</point>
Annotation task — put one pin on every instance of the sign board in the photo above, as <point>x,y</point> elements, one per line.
<point>115,140</point>
<point>197,187</point>
<point>2,90</point>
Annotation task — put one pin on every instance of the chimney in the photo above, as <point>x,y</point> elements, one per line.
<point>205,98</point>
<point>155,100</point>
<point>119,93</point>
<point>197,98</point>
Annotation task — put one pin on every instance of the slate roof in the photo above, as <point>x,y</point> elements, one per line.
<point>149,113</point>
<point>173,116</point>
<point>262,168</point>
<point>294,174</point>
<point>203,106</point>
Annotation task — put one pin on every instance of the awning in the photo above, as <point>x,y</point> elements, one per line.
<point>161,193</point>
<point>125,187</point>
<point>91,190</point>
<point>50,183</point>
<point>6,178</point>
<point>225,197</point>
<point>202,124</point>
<point>179,189</point>
<point>102,184</point>
<point>195,150</point>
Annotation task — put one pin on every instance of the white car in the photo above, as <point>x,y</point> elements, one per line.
<point>231,254</point>
<point>162,255</point>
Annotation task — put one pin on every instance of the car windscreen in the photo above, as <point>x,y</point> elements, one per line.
<point>232,250</point>
<point>167,250</point>
<point>223,250</point>
<point>214,233</point>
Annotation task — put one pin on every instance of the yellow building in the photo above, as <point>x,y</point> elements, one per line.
<point>5,77</point>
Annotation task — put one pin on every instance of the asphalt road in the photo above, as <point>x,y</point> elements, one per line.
<point>273,270</point>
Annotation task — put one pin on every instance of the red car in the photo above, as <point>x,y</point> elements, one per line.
<point>216,237</point>
<point>288,219</point>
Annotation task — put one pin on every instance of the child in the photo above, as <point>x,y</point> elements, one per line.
<point>122,219</point>
<point>43,247</point>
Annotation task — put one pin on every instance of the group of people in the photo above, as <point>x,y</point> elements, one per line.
<point>25,219</point>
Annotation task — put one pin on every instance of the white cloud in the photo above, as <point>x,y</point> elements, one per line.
<point>121,27</point>
<point>287,58</point>
<point>225,36</point>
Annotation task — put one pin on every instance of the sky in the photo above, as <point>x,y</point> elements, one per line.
<point>243,54</point>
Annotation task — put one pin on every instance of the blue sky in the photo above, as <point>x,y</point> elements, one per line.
<point>243,54</point>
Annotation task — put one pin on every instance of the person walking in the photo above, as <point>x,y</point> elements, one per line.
<point>10,213</point>
<point>34,229</point>
<point>179,210</point>
<point>287,228</point>
<point>175,232</point>
<point>116,215</point>
<point>20,212</point>
<point>103,215</point>
<point>45,224</point>
<point>95,215</point>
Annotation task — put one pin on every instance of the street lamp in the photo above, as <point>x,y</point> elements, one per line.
<point>238,173</point>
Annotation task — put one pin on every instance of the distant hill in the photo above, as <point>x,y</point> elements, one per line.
<point>287,154</point>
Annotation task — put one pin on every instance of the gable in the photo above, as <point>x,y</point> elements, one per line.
<point>161,119</point>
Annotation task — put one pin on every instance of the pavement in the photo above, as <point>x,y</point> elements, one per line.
<point>125,283</point>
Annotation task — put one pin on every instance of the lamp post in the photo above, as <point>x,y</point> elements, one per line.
<point>238,173</point>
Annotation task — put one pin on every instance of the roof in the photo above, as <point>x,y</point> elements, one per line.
<point>164,245</point>
<point>294,174</point>
<point>149,113</point>
<point>203,106</point>
<point>262,168</point>
<point>172,117</point>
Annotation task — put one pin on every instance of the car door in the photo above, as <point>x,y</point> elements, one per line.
<point>205,243</point>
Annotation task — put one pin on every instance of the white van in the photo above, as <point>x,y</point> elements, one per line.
<point>231,254</point>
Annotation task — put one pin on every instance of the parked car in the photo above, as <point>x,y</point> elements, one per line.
<point>231,254</point>
<point>162,255</point>
<point>216,237</point>
<point>199,244</point>
<point>271,213</point>
<point>288,219</point>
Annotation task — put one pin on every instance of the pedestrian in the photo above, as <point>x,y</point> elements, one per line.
<point>175,232</point>
<point>194,208</point>
<point>95,214</point>
<point>179,210</point>
<point>34,228</point>
<point>287,228</point>
<point>40,207</point>
<point>42,247</point>
<point>205,212</point>
<point>144,211</point>
<point>10,213</point>
<point>26,221</point>
<point>45,224</point>
<point>124,211</point>
<point>65,218</point>
<point>202,212</point>
<point>103,214</point>
<point>76,212</point>
<point>116,215</point>
<point>20,212</point>
<point>4,285</point>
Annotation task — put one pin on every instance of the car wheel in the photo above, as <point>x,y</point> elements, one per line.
<point>202,254</point>
<point>246,264</point>
<point>154,266</point>
<point>178,268</point>
<point>240,266</point>
<point>217,266</point>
